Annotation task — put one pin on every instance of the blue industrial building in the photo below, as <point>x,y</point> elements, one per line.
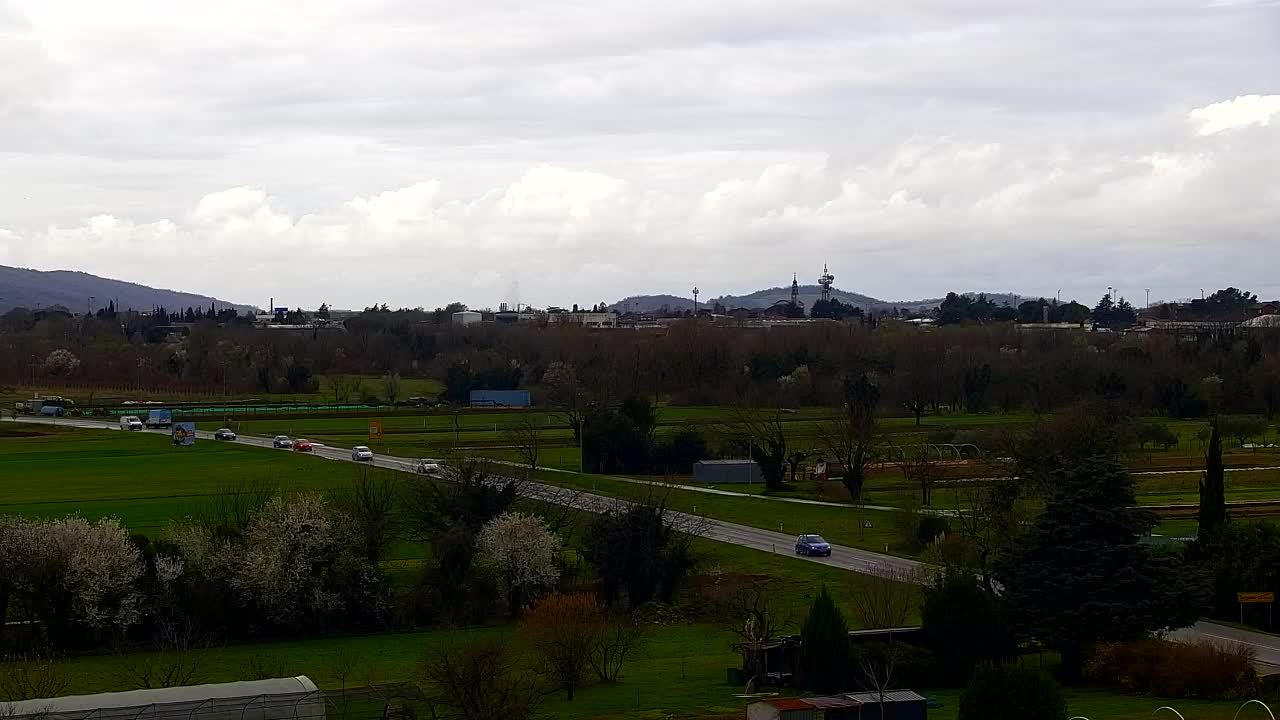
<point>500,398</point>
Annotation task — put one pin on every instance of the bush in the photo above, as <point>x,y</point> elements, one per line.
<point>824,646</point>
<point>1009,692</point>
<point>1175,670</point>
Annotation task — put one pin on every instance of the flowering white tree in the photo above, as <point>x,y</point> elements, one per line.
<point>71,574</point>
<point>521,554</point>
<point>61,362</point>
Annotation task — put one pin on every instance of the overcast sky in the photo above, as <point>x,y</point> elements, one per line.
<point>415,152</point>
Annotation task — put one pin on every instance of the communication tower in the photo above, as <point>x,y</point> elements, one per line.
<point>825,281</point>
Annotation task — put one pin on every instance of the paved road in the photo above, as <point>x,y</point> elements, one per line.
<point>1267,647</point>
<point>846,558</point>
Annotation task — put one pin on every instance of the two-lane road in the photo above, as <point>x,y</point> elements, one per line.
<point>1266,647</point>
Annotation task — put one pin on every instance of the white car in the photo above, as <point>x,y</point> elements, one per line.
<point>427,467</point>
<point>129,422</point>
<point>360,453</point>
<point>282,441</point>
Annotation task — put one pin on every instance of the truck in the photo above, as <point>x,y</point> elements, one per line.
<point>36,405</point>
<point>159,419</point>
<point>130,422</point>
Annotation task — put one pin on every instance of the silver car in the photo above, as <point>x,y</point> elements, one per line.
<point>282,441</point>
<point>361,453</point>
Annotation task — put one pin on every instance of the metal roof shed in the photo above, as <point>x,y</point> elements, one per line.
<point>721,472</point>
<point>898,705</point>
<point>276,699</point>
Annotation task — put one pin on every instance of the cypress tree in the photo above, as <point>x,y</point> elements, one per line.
<point>1213,493</point>
<point>824,647</point>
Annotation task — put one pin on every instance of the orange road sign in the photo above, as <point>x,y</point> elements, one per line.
<point>1256,597</point>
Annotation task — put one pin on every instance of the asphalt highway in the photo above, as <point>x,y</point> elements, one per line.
<point>1266,647</point>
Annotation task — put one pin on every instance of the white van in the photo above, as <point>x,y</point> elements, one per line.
<point>130,422</point>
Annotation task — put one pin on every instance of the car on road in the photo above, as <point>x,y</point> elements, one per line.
<point>224,434</point>
<point>360,453</point>
<point>812,545</point>
<point>130,422</point>
<point>427,467</point>
<point>282,441</point>
<point>302,445</point>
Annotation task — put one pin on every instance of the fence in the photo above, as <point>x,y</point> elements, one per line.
<point>379,702</point>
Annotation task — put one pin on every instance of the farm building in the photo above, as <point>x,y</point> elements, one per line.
<point>893,705</point>
<point>720,472</point>
<point>500,398</point>
<point>779,659</point>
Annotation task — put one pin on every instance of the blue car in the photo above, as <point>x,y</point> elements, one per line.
<point>812,545</point>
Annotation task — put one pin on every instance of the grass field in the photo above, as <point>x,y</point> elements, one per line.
<point>145,481</point>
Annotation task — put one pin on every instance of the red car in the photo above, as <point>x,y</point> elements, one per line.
<point>302,445</point>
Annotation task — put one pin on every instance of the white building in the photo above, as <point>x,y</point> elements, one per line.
<point>467,317</point>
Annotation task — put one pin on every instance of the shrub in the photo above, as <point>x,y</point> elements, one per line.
<point>1009,692</point>
<point>1174,670</point>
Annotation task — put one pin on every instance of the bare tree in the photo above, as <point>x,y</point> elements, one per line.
<point>566,393</point>
<point>524,436</point>
<point>877,664</point>
<point>230,510</point>
<point>885,597</point>
<point>618,638</point>
<point>391,387</point>
<point>757,620</point>
<point>27,677</point>
<point>562,630</point>
<point>370,504</point>
<point>766,440</point>
<point>482,680</point>
<point>922,471</point>
<point>471,498</point>
<point>180,653</point>
<point>341,387</point>
<point>989,517</point>
<point>849,434</point>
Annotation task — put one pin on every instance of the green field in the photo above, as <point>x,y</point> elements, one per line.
<point>145,481</point>
<point>142,478</point>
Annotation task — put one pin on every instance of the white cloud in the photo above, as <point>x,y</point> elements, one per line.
<point>348,151</point>
<point>1242,111</point>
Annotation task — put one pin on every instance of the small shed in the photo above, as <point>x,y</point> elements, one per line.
<point>782,709</point>
<point>721,472</point>
<point>500,398</point>
<point>897,705</point>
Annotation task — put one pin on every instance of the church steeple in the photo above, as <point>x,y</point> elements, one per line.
<point>795,291</point>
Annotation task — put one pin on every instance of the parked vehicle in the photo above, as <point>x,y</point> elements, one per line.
<point>302,445</point>
<point>361,453</point>
<point>282,441</point>
<point>52,411</point>
<point>427,467</point>
<point>224,434</point>
<point>812,545</point>
<point>159,419</point>
<point>130,422</point>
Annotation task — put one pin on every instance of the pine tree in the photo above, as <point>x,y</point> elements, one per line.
<point>824,647</point>
<point>1081,576</point>
<point>1213,500</point>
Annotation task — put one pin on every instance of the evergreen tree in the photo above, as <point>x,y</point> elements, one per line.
<point>1213,500</point>
<point>824,647</point>
<point>1081,576</point>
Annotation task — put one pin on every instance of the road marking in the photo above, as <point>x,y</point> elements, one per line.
<point>1242,642</point>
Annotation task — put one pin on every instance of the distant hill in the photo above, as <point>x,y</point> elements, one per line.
<point>20,287</point>
<point>808,295</point>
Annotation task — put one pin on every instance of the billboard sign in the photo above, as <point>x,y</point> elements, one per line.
<point>1256,597</point>
<point>184,433</point>
<point>375,429</point>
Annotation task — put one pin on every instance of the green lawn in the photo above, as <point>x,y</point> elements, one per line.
<point>142,478</point>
